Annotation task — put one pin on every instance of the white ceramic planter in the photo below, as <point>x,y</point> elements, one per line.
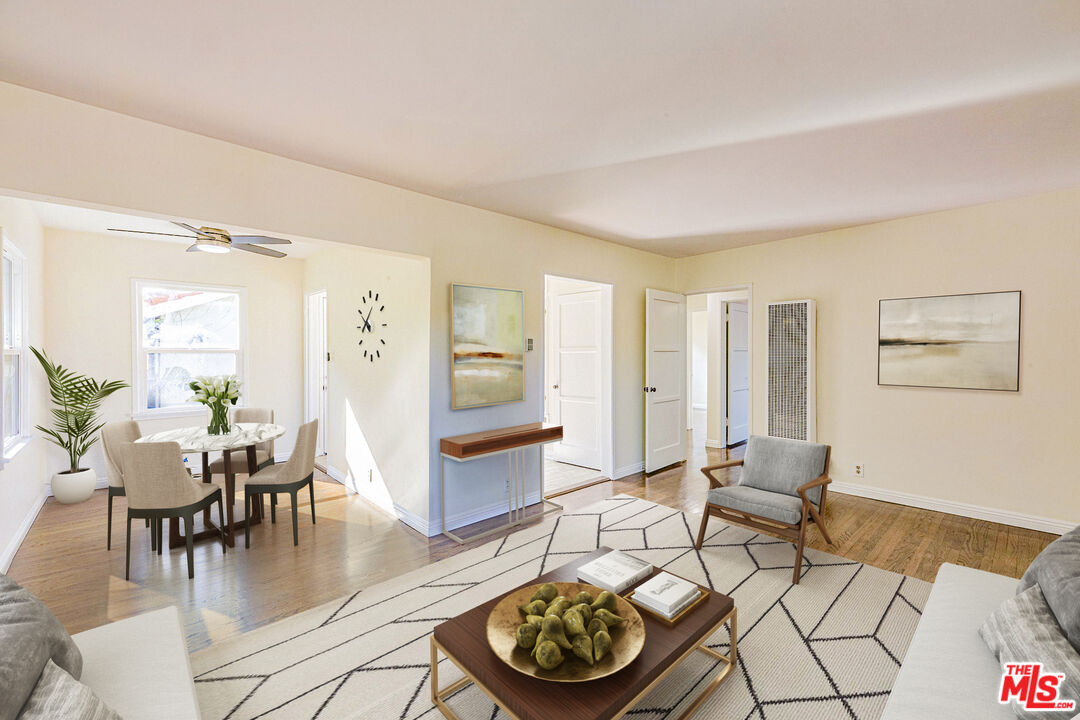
<point>70,488</point>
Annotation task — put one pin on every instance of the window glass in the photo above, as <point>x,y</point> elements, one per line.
<point>178,318</point>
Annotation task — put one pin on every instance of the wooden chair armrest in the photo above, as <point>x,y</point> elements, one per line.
<point>707,471</point>
<point>816,482</point>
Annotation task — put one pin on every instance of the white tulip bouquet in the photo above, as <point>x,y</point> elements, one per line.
<point>216,393</point>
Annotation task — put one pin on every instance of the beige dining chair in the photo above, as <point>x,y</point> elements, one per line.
<point>264,452</point>
<point>113,436</point>
<point>289,477</point>
<point>158,486</point>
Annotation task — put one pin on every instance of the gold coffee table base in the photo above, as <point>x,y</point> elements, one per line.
<point>439,695</point>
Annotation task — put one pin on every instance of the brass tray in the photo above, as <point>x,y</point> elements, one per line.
<point>627,639</point>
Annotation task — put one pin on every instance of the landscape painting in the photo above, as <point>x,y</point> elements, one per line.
<point>951,341</point>
<point>488,331</point>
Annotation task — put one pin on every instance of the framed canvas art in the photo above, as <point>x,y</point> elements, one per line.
<point>951,341</point>
<point>488,346</point>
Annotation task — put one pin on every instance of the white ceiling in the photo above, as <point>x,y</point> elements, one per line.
<point>675,126</point>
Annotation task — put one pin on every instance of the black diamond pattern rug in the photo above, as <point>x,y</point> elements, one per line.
<point>829,647</point>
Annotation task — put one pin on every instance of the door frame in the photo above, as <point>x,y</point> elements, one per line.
<point>312,397</point>
<point>607,365</point>
<point>721,397</point>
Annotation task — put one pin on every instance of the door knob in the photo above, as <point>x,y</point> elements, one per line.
<point>652,389</point>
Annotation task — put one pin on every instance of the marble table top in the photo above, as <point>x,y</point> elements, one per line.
<point>196,439</point>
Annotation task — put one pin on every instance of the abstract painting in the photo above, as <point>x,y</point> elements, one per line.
<point>488,346</point>
<point>951,341</point>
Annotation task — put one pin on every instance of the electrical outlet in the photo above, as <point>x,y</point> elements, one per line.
<point>860,470</point>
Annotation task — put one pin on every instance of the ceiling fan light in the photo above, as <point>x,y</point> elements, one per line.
<point>212,245</point>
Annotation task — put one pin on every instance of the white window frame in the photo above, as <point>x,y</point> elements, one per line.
<point>139,411</point>
<point>20,299</point>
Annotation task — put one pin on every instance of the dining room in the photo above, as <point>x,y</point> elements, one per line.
<point>110,297</point>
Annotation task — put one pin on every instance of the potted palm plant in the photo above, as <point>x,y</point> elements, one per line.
<point>76,422</point>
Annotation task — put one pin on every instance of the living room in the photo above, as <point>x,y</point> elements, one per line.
<point>671,155</point>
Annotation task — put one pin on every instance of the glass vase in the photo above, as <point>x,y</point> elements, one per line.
<point>219,420</point>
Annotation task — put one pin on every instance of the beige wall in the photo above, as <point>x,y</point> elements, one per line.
<point>22,481</point>
<point>1010,452</point>
<point>63,150</point>
<point>89,320</point>
<point>377,431</point>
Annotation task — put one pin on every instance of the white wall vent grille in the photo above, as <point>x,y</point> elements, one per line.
<point>791,353</point>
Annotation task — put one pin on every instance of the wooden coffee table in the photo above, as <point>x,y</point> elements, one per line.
<point>463,640</point>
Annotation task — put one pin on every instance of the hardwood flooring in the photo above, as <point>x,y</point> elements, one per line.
<point>63,559</point>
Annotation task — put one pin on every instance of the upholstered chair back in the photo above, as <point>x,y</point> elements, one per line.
<point>256,415</point>
<point>781,465</point>
<point>302,461</point>
<point>113,436</point>
<point>155,477</point>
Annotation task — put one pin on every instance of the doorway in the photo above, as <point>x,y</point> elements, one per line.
<point>718,367</point>
<point>578,327</point>
<point>316,365</point>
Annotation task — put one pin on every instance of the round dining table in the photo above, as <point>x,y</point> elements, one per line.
<point>241,436</point>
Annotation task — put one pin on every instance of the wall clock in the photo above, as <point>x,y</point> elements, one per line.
<point>372,327</point>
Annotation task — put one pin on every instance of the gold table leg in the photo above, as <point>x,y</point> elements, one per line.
<point>730,660</point>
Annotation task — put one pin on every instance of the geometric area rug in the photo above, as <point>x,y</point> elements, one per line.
<point>829,647</point>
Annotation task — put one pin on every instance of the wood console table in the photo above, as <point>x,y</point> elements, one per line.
<point>509,441</point>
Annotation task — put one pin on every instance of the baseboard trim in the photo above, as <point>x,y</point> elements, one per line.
<point>978,512</point>
<point>433,526</point>
<point>625,470</point>
<point>338,476</point>
<point>20,533</point>
<point>714,444</point>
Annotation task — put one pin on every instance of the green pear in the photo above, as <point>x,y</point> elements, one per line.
<point>526,636</point>
<point>557,607</point>
<point>546,592</point>
<point>535,607</point>
<point>583,597</point>
<point>595,625</point>
<point>584,610</point>
<point>604,601</point>
<point>609,618</point>
<point>573,623</point>
<point>583,648</point>
<point>548,655</point>
<point>536,621</point>
<point>601,645</point>
<point>553,628</point>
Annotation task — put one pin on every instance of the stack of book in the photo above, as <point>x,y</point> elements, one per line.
<point>614,571</point>
<point>667,595</point>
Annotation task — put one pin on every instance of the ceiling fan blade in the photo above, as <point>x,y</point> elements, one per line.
<point>195,230</point>
<point>149,232</point>
<point>261,239</point>
<point>259,249</point>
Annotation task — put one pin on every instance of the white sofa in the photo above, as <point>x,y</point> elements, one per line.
<point>139,666</point>
<point>948,671</point>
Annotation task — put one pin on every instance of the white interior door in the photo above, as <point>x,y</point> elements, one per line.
<point>317,383</point>
<point>665,379</point>
<point>575,376</point>
<point>738,373</point>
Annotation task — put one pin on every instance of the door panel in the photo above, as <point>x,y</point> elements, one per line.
<point>665,379</point>
<point>738,357</point>
<point>574,395</point>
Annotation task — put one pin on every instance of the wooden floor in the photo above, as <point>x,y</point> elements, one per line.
<point>63,559</point>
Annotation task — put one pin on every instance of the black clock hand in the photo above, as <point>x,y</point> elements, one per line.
<point>367,324</point>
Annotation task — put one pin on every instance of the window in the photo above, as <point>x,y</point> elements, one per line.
<point>181,332</point>
<point>15,420</point>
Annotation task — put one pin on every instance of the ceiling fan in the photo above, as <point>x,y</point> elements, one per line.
<point>216,240</point>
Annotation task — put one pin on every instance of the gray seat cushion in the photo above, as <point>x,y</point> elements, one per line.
<point>1057,573</point>
<point>1022,630</point>
<point>780,465</point>
<point>30,636</point>
<point>775,506</point>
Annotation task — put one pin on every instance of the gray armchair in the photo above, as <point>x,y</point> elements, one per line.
<point>781,490</point>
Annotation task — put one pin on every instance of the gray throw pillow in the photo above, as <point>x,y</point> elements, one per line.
<point>1057,572</point>
<point>58,695</point>
<point>30,636</point>
<point>1024,630</point>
